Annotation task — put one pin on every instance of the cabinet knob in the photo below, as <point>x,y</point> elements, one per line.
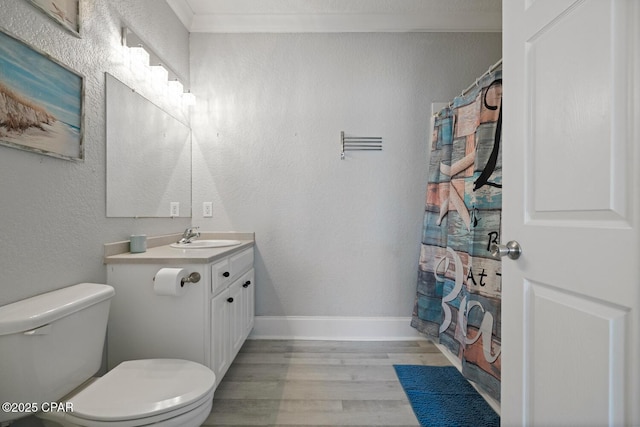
<point>246,284</point>
<point>225,274</point>
<point>229,299</point>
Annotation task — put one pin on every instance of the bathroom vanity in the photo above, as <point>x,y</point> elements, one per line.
<point>207,323</point>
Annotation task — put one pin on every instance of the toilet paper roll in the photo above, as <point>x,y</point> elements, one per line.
<point>168,281</point>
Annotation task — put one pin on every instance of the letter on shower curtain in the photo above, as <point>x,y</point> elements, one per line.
<point>459,283</point>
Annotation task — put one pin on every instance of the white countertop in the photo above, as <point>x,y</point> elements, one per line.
<point>159,251</point>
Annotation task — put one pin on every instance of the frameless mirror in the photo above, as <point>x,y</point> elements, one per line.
<point>148,157</point>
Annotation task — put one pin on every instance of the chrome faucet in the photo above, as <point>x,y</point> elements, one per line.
<point>189,235</point>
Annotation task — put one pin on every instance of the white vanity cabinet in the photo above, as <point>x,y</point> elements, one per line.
<point>232,308</point>
<point>207,324</point>
<point>143,325</point>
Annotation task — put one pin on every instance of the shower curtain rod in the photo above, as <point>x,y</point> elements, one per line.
<point>474,84</point>
<point>489,71</point>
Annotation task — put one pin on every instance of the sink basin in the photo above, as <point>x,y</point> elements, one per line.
<point>204,244</point>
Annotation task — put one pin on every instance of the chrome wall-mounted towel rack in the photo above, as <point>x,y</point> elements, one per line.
<point>359,143</point>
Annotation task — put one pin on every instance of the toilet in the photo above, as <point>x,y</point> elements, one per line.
<point>51,345</point>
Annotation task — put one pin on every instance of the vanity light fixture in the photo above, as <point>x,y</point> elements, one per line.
<point>160,73</point>
<point>139,59</point>
<point>188,99</point>
<point>141,52</point>
<point>175,87</point>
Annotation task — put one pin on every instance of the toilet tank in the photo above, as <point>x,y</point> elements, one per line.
<point>51,343</point>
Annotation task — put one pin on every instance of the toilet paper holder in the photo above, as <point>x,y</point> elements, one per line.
<point>192,278</point>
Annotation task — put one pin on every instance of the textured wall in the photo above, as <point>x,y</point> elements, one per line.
<point>334,237</point>
<point>52,211</point>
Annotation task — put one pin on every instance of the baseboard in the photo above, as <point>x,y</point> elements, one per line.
<point>334,328</point>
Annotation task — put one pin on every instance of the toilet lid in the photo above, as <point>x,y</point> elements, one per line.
<point>143,388</point>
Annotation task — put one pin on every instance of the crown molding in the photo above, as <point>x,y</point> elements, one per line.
<point>183,11</point>
<point>423,16</point>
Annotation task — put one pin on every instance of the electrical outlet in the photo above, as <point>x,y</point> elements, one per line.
<point>175,209</point>
<point>207,209</point>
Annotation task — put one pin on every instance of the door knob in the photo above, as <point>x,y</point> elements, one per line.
<point>512,249</point>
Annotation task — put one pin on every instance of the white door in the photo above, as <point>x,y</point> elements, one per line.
<point>571,164</point>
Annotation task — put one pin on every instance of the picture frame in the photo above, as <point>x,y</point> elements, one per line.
<point>65,12</point>
<point>41,102</point>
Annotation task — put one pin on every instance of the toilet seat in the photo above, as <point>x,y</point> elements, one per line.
<point>141,392</point>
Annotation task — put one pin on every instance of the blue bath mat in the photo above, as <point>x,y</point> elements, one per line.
<point>441,397</point>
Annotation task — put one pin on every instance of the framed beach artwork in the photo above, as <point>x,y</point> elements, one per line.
<point>64,12</point>
<point>41,108</point>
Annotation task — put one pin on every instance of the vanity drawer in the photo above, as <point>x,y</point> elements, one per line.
<point>227,270</point>
<point>220,275</point>
<point>241,262</point>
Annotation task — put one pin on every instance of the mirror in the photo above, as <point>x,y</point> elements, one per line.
<point>148,157</point>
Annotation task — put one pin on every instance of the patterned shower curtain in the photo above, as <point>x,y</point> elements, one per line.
<point>459,284</point>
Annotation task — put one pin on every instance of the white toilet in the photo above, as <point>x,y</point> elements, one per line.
<point>52,344</point>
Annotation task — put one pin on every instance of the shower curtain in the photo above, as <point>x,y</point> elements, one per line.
<point>459,284</point>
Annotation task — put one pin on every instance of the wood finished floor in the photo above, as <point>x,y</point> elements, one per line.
<point>319,383</point>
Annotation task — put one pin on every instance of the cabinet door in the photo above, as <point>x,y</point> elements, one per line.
<point>220,349</point>
<point>248,301</point>
<point>236,326</point>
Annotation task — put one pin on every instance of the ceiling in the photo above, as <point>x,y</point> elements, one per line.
<point>304,16</point>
